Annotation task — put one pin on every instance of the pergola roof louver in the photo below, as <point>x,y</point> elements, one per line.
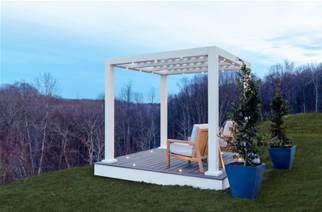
<point>168,63</point>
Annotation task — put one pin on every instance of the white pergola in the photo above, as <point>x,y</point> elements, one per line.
<point>198,60</point>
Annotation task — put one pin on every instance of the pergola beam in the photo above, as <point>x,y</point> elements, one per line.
<point>228,56</point>
<point>204,71</point>
<point>182,68</point>
<point>159,56</point>
<point>186,72</point>
<point>168,62</point>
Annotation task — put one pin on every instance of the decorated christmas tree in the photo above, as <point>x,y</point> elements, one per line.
<point>246,116</point>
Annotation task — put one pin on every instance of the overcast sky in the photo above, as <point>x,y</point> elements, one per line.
<point>72,40</point>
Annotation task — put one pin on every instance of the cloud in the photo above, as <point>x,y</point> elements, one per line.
<point>310,40</point>
<point>302,46</point>
<point>262,33</point>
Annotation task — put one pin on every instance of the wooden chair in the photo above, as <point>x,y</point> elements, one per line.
<point>194,149</point>
<point>227,134</point>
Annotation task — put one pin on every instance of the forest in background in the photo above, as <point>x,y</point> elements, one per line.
<point>41,132</point>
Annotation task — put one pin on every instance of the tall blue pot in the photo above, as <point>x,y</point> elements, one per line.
<point>245,181</point>
<point>282,158</point>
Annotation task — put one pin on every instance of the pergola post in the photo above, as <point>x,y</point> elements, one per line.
<point>109,114</point>
<point>163,111</point>
<point>213,113</point>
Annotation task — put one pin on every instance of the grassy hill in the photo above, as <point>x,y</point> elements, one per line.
<point>78,190</point>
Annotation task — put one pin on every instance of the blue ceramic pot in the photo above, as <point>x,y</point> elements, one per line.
<point>282,157</point>
<point>245,181</point>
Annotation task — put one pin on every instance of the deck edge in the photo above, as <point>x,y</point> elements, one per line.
<point>159,178</point>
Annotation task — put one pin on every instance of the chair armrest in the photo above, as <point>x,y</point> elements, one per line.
<point>225,137</point>
<point>170,141</point>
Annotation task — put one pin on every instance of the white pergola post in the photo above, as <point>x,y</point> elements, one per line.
<point>213,113</point>
<point>109,114</point>
<point>163,111</point>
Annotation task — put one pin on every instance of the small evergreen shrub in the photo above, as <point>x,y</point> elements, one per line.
<point>279,108</point>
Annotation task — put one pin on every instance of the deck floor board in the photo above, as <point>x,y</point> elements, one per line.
<point>155,160</point>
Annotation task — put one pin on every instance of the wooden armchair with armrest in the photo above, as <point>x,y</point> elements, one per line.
<point>194,149</point>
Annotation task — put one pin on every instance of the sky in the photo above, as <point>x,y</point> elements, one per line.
<point>71,40</point>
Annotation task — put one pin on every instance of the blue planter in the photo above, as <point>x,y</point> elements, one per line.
<point>282,158</point>
<point>245,181</point>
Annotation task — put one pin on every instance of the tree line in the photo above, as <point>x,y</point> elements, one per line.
<point>41,132</point>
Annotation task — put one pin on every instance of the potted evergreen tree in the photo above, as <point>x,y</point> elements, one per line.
<point>282,151</point>
<point>245,177</point>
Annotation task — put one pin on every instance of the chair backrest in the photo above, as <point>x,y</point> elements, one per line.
<point>229,128</point>
<point>200,135</point>
<point>203,141</point>
<point>228,133</point>
<point>195,130</point>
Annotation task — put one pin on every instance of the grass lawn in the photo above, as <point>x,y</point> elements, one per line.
<point>78,190</point>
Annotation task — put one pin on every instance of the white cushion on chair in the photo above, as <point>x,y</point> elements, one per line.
<point>181,149</point>
<point>195,130</point>
<point>228,128</point>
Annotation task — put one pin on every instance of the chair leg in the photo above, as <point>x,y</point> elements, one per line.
<point>168,158</point>
<point>237,156</point>
<point>222,162</point>
<point>168,154</point>
<point>200,165</point>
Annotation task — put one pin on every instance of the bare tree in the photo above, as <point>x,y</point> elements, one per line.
<point>46,84</point>
<point>152,135</point>
<point>126,97</point>
<point>316,75</point>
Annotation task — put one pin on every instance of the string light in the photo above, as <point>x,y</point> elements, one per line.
<point>133,164</point>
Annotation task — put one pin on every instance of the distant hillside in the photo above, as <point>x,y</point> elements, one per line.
<point>78,190</point>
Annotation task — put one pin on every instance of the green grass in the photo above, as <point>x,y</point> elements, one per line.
<point>78,190</point>
<point>302,123</point>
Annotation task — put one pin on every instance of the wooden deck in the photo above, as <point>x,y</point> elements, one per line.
<point>155,160</point>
